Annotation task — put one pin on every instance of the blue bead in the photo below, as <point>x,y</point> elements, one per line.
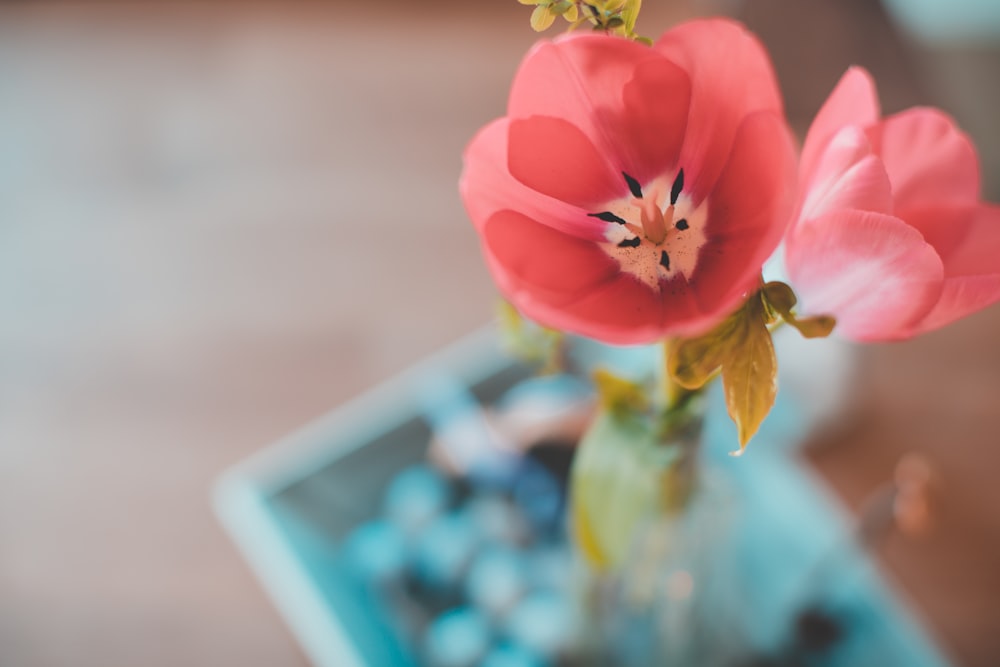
<point>415,496</point>
<point>458,638</point>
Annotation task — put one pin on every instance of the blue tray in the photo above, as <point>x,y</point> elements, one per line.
<point>290,507</point>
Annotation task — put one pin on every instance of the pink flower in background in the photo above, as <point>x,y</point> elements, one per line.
<point>633,192</point>
<point>890,236</point>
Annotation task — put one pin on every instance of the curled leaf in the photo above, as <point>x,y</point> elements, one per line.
<point>780,298</point>
<point>695,361</point>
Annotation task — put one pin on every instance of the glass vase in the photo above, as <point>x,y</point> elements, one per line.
<point>672,598</point>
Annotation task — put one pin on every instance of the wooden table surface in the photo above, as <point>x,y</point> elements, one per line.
<point>219,221</point>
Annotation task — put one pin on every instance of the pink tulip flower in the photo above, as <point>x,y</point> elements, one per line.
<point>632,193</point>
<point>890,236</point>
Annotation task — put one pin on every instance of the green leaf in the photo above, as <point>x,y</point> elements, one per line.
<point>542,18</point>
<point>749,371</point>
<point>618,395</point>
<point>630,13</point>
<point>560,7</point>
<point>619,481</point>
<point>528,341</point>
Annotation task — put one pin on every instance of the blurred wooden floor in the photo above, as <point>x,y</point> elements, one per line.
<point>217,222</point>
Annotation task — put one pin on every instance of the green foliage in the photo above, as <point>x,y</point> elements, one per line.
<point>530,342</point>
<point>750,371</point>
<point>619,396</point>
<point>741,349</point>
<point>615,17</point>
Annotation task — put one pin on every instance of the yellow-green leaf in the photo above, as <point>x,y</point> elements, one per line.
<point>542,18</point>
<point>618,395</point>
<point>694,361</point>
<point>749,372</point>
<point>572,15</point>
<point>630,13</point>
<point>560,7</point>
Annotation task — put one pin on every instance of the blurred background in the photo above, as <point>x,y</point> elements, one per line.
<point>220,220</point>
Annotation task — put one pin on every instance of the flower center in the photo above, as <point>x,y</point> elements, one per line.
<point>655,237</point>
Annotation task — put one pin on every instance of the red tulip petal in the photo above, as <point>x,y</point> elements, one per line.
<point>846,176</point>
<point>630,101</point>
<point>929,160</point>
<point>487,186</point>
<point>550,265</point>
<point>748,211</point>
<point>853,101</point>
<point>731,77</point>
<point>568,284</point>
<point>873,272</point>
<point>554,158</point>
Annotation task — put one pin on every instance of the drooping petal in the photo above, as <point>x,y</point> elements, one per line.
<point>731,78</point>
<point>929,160</point>
<point>748,212</point>
<point>486,186</point>
<point>853,101</point>
<point>972,270</point>
<point>553,157</point>
<point>873,272</point>
<point>846,176</point>
<point>630,101</point>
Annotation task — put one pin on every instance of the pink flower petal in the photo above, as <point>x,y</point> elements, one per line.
<point>486,187</point>
<point>872,271</point>
<point>978,252</point>
<point>554,158</point>
<point>929,160</point>
<point>847,176</point>
<point>853,101</point>
<point>628,100</point>
<point>731,77</point>
<point>748,212</point>
<point>568,284</point>
<point>528,255</point>
<point>948,229</point>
